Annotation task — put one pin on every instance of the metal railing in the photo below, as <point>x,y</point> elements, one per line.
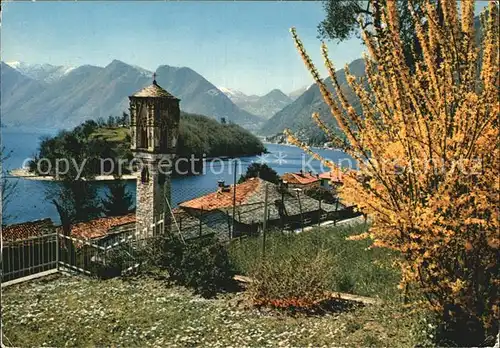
<point>54,251</point>
<point>21,258</point>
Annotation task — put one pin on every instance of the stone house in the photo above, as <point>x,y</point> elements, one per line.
<point>301,179</point>
<point>287,208</point>
<point>331,179</point>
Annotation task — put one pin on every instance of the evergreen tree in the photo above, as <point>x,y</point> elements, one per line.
<point>111,121</point>
<point>118,201</point>
<point>125,120</point>
<point>101,122</point>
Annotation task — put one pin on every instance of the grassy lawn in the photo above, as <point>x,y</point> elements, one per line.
<point>111,134</point>
<point>356,268</point>
<point>144,311</point>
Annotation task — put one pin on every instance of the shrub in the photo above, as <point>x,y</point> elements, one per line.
<point>357,269</point>
<point>426,141</point>
<point>345,283</point>
<point>104,271</point>
<point>109,264</point>
<point>293,281</point>
<point>201,264</point>
<point>322,194</point>
<point>260,170</point>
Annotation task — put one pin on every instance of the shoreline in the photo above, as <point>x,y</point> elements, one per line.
<point>25,174</point>
<point>312,147</point>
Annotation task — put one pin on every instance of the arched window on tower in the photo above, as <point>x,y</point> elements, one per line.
<point>142,123</point>
<point>144,175</point>
<point>144,137</point>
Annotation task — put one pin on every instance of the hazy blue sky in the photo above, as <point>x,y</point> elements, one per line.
<point>241,45</point>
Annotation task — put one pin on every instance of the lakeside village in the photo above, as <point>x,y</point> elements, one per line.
<point>297,201</point>
<point>272,260</point>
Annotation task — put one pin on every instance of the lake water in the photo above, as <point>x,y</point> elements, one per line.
<point>29,201</point>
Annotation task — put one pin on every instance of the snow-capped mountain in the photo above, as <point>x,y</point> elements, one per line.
<point>90,92</point>
<point>47,73</point>
<point>264,106</point>
<point>298,92</point>
<point>235,95</point>
<point>144,72</point>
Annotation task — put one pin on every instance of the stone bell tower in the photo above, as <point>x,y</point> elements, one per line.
<point>154,129</point>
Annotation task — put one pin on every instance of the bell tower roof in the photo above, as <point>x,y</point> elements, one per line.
<point>153,91</point>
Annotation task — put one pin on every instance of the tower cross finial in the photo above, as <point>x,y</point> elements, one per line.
<point>154,77</point>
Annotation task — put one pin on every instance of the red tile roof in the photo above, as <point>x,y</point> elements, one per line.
<point>335,176</point>
<point>27,229</point>
<point>224,199</point>
<point>98,228</point>
<point>299,178</point>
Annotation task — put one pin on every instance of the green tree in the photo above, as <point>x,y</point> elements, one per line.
<point>341,21</point>
<point>263,171</point>
<point>322,194</point>
<point>101,122</point>
<point>118,201</point>
<point>125,119</point>
<point>75,199</point>
<point>87,128</point>
<point>112,121</point>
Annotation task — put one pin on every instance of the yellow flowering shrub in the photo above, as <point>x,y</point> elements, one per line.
<point>427,148</point>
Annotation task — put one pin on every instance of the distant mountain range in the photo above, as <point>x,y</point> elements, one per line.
<point>297,115</point>
<point>51,96</point>
<point>57,96</point>
<point>63,97</point>
<point>264,106</point>
<point>298,92</point>
<point>41,72</point>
